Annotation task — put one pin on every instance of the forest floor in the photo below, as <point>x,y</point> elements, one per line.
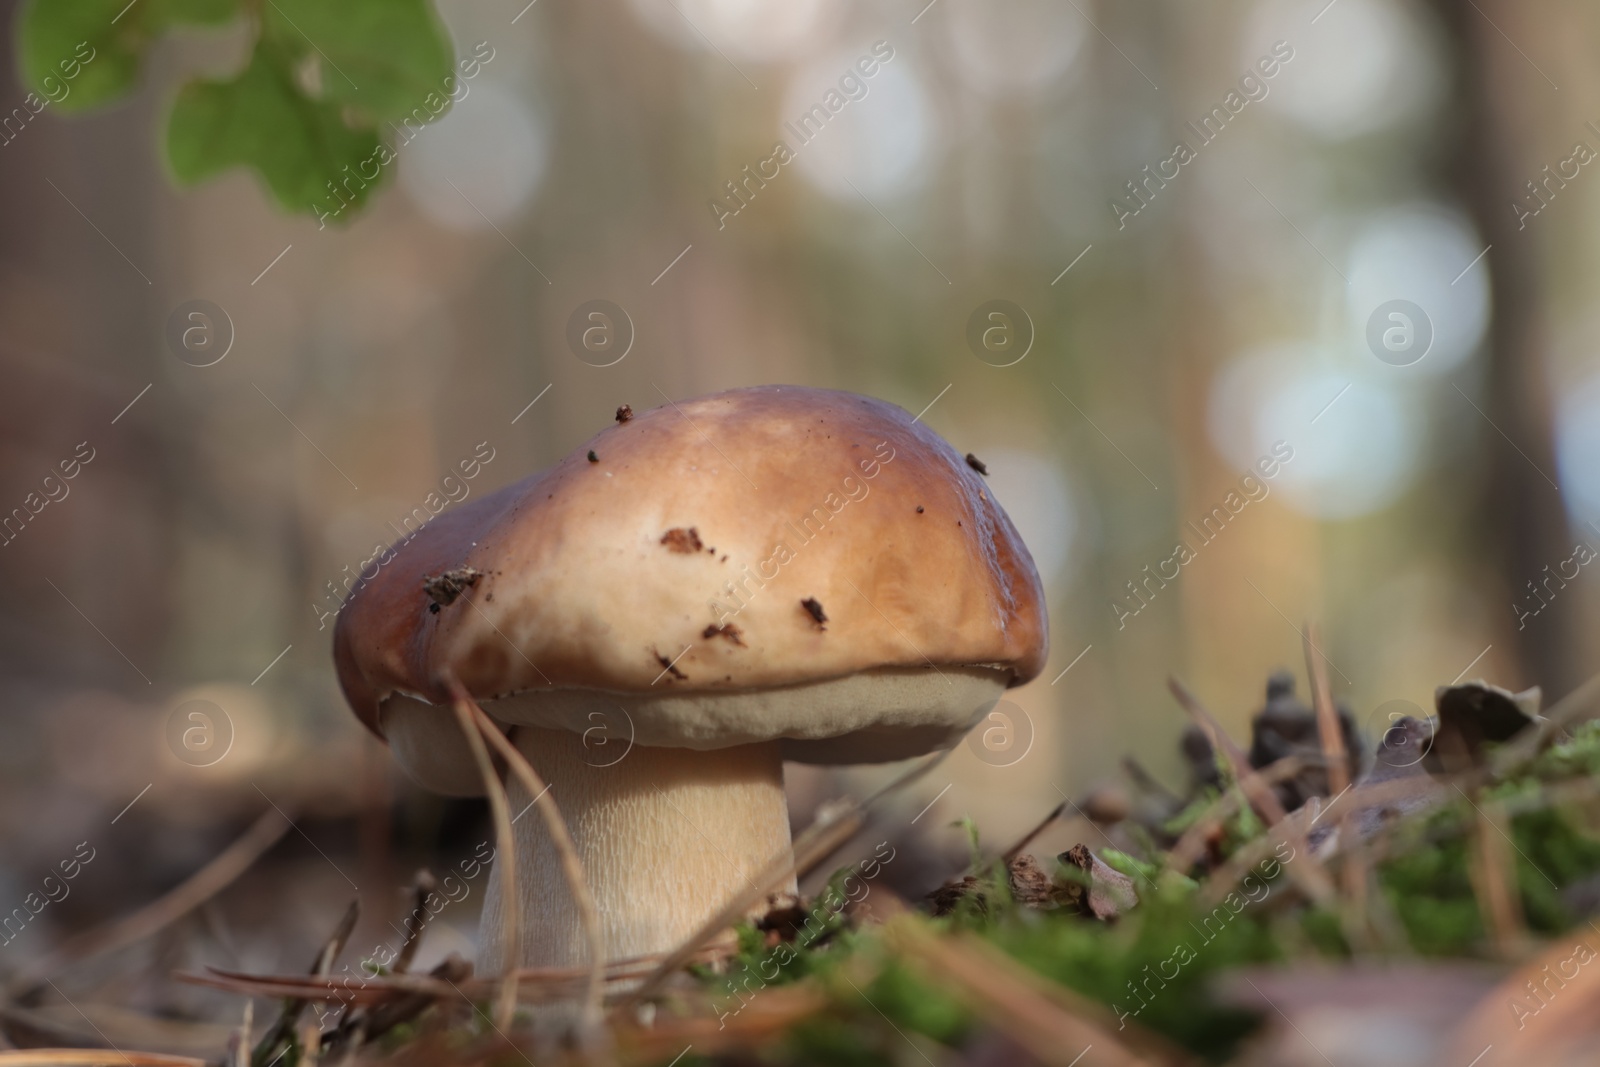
<point>1426,902</point>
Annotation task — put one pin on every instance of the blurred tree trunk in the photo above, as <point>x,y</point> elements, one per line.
<point>1501,98</point>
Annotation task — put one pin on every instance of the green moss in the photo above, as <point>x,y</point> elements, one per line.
<point>1428,884</point>
<point>915,1005</point>
<point>1152,967</point>
<point>1322,933</point>
<point>1578,756</point>
<point>834,1039</point>
<point>1428,887</point>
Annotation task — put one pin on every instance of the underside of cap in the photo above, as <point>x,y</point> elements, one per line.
<point>428,745</point>
<point>854,719</point>
<point>873,717</point>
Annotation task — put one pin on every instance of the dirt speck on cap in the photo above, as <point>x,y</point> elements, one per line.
<point>977,464</point>
<point>813,606</point>
<point>443,589</point>
<point>592,457</point>
<point>624,413</point>
<point>727,629</point>
<point>668,666</point>
<point>683,539</point>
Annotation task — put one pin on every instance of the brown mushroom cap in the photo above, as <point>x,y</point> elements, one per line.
<point>763,542</point>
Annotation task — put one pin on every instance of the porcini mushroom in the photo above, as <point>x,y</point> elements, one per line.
<point>766,574</point>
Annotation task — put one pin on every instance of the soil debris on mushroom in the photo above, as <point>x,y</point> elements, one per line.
<point>443,589</point>
<point>977,464</point>
<point>624,413</point>
<point>727,630</point>
<point>685,539</point>
<point>814,607</point>
<point>669,666</point>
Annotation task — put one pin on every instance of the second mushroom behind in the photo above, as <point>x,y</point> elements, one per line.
<point>851,594</point>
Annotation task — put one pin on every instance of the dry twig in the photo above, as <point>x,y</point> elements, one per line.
<point>1028,838</point>
<point>416,922</point>
<point>1493,876</point>
<point>547,982</point>
<point>92,1057</point>
<point>283,1030</point>
<point>1353,906</point>
<point>505,855</point>
<point>1328,728</point>
<point>561,838</point>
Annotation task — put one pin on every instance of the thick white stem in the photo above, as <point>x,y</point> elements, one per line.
<point>666,836</point>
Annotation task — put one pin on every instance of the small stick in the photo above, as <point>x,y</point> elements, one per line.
<point>418,919</point>
<point>91,1057</point>
<point>241,1058</point>
<point>283,1029</point>
<point>1495,884</point>
<point>373,1020</point>
<point>1380,923</point>
<point>1310,877</point>
<point>1331,735</point>
<point>1355,916</point>
<point>556,826</point>
<point>403,1009</point>
<point>505,856</point>
<point>1027,839</point>
<point>310,1044</point>
<point>1353,906</point>
<point>355,1028</point>
<point>380,989</point>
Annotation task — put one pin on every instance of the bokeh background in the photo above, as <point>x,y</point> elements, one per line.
<point>1422,152</point>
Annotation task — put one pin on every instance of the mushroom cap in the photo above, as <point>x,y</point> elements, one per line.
<point>759,564</point>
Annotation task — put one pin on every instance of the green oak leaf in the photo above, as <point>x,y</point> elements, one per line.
<point>82,53</point>
<point>262,119</point>
<point>107,50</point>
<point>382,57</point>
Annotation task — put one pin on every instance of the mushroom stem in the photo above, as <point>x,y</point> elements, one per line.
<point>667,837</point>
